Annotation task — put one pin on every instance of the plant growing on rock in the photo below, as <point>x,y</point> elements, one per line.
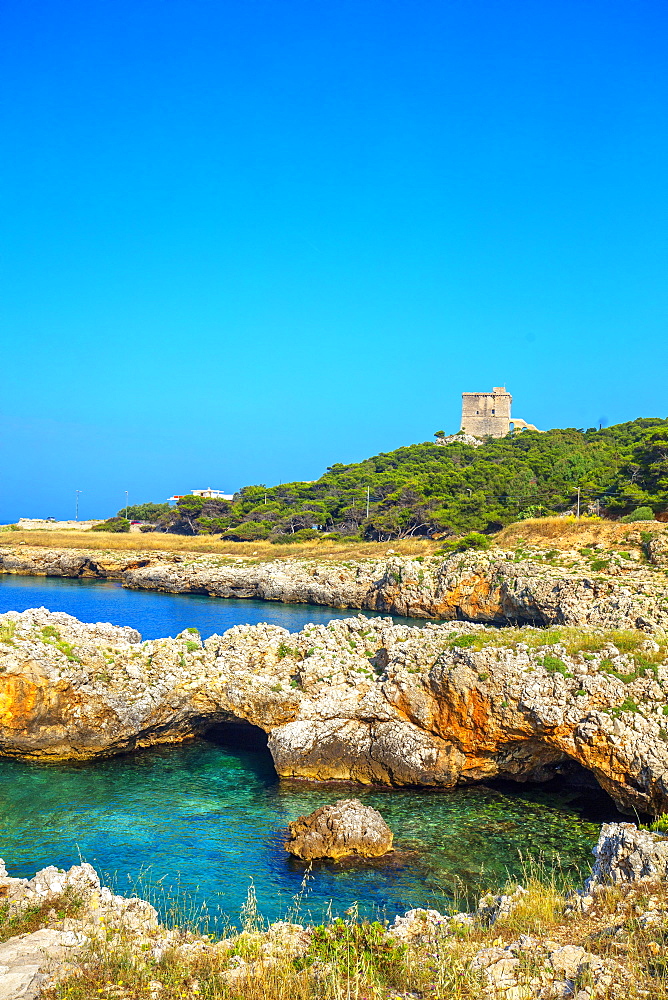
<point>474,540</point>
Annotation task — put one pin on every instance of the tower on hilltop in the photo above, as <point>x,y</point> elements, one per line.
<point>487,414</point>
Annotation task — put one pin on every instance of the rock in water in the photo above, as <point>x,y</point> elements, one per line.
<point>336,831</point>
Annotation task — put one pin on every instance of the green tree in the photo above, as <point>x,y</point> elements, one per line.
<point>431,489</point>
<point>145,511</point>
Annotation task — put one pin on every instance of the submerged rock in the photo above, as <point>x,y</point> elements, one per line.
<point>336,831</point>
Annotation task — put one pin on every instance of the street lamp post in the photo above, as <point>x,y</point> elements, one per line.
<point>126,505</point>
<point>76,505</point>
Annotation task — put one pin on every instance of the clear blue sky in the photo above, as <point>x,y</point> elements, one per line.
<point>241,241</point>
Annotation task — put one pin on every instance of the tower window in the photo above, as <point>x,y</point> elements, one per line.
<point>493,412</point>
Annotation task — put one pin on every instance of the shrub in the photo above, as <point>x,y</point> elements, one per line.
<point>358,950</point>
<point>660,824</point>
<point>115,524</point>
<point>284,650</point>
<point>639,514</point>
<point>533,510</point>
<point>554,665</point>
<point>7,630</point>
<point>474,540</point>
<point>465,641</point>
<point>248,531</point>
<point>303,535</point>
<point>599,564</point>
<point>628,705</point>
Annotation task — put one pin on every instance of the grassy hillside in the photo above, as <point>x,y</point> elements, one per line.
<point>430,490</point>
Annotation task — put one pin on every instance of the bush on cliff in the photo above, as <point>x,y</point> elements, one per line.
<point>303,535</point>
<point>474,540</point>
<point>248,531</point>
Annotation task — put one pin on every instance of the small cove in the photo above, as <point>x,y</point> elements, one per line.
<point>156,614</point>
<point>199,821</point>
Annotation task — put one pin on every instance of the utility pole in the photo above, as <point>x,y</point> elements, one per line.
<point>76,505</point>
<point>578,514</point>
<point>367,503</point>
<point>126,505</point>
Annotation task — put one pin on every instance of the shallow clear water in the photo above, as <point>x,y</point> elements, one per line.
<point>202,820</point>
<point>197,822</point>
<point>155,614</point>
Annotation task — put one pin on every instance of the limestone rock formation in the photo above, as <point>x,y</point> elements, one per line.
<point>532,968</point>
<point>498,586</point>
<point>336,831</point>
<point>535,967</point>
<point>626,854</point>
<point>30,962</point>
<point>81,915</point>
<point>361,700</point>
<point>657,550</point>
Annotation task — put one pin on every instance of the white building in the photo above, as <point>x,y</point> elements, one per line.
<point>212,494</point>
<point>209,493</point>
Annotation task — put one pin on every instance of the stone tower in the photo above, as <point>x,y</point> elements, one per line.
<point>487,414</point>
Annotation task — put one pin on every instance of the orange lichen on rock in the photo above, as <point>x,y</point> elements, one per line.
<point>363,700</point>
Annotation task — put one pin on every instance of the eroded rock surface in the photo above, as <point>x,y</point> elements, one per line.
<point>361,699</point>
<point>626,854</point>
<point>532,968</point>
<point>31,961</point>
<point>499,586</point>
<point>96,917</point>
<point>338,830</point>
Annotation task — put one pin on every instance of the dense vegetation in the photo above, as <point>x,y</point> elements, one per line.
<point>435,489</point>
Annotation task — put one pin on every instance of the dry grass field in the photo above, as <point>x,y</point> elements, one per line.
<point>568,533</point>
<point>546,532</point>
<point>98,541</point>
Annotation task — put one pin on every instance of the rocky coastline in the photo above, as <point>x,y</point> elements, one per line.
<point>575,685</point>
<point>627,589</point>
<point>77,937</point>
<point>359,700</point>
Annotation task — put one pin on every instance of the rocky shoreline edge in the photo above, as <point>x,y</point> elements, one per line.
<point>623,589</point>
<point>358,700</point>
<point>63,934</point>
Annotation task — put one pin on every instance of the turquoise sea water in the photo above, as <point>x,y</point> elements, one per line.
<point>155,614</point>
<point>198,822</point>
<point>202,820</point>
